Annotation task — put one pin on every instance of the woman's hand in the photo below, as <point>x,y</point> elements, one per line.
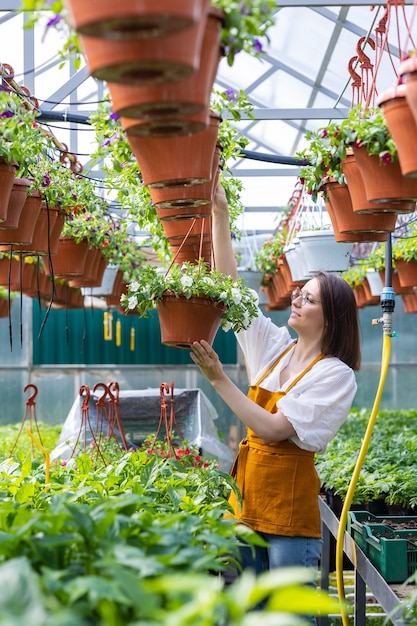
<point>220,204</point>
<point>207,360</point>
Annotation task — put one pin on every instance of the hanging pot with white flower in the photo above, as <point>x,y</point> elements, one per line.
<point>192,302</point>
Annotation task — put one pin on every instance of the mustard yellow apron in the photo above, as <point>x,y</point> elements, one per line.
<point>278,481</point>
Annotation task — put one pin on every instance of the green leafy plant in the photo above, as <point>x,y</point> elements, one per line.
<point>266,258</point>
<point>328,146</point>
<point>191,280</point>
<point>389,470</point>
<point>405,248</point>
<point>355,275</point>
<point>322,158</point>
<point>21,137</point>
<point>246,23</point>
<point>368,128</point>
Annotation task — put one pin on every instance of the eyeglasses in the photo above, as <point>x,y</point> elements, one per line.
<point>305,297</point>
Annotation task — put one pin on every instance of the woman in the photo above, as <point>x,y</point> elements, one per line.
<point>300,393</point>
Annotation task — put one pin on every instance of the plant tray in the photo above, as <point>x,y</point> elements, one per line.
<point>358,520</point>
<point>388,545</point>
<point>393,552</point>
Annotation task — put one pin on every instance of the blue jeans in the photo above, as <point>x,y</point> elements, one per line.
<point>282,552</point>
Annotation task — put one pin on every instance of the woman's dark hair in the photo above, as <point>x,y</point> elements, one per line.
<point>341,335</point>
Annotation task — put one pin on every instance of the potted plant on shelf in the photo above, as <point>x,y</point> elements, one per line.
<point>185,294</point>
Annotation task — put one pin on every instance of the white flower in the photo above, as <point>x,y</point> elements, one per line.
<point>186,281</point>
<point>236,295</point>
<point>223,295</point>
<point>134,286</point>
<point>226,326</point>
<point>132,302</point>
<point>208,280</point>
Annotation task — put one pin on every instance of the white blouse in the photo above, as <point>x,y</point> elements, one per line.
<point>319,403</point>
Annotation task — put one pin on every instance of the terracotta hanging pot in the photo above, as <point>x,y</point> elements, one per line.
<point>17,200</point>
<point>277,293</point>
<point>360,202</point>
<point>349,221</point>
<point>192,252</point>
<point>398,289</point>
<point>188,229</point>
<point>93,270</point>
<point>402,126</point>
<point>23,234</point>
<point>4,307</point>
<point>407,272</point>
<point>178,160</point>
<point>9,271</point>
<point>7,177</point>
<point>408,72</point>
<point>29,284</point>
<point>179,107</point>
<point>360,296</point>
<point>168,127</point>
<point>410,302</point>
<point>132,18</point>
<point>354,237</point>
<point>385,183</point>
<point>46,234</point>
<point>184,321</point>
<point>69,260</point>
<point>188,196</point>
<point>370,298</point>
<point>285,270</point>
<point>174,56</point>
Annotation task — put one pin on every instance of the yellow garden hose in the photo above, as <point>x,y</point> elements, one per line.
<point>388,305</point>
<point>386,351</point>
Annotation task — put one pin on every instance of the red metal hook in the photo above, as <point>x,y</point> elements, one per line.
<point>102,398</point>
<point>31,400</point>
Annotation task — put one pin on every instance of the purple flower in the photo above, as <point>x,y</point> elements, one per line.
<point>386,158</point>
<point>6,114</point>
<point>230,94</point>
<point>257,45</point>
<point>46,181</point>
<point>244,9</point>
<point>54,21</point>
<point>114,116</point>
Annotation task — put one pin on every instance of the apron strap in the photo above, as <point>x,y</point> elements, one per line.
<point>274,364</point>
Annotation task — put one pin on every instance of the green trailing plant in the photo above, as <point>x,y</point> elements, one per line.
<point>327,147</point>
<point>322,159</point>
<point>193,279</point>
<point>366,127</point>
<point>266,258</point>
<point>21,138</point>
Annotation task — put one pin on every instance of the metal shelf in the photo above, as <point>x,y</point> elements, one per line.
<point>366,575</point>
